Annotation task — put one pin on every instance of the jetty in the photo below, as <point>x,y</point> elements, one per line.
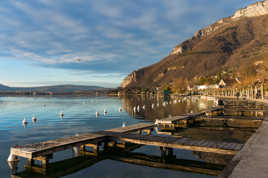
<point>185,120</point>
<point>98,144</point>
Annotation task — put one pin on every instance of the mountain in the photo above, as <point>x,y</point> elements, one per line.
<point>55,89</point>
<point>234,48</point>
<point>4,87</point>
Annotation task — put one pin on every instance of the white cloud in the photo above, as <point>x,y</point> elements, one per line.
<point>107,8</point>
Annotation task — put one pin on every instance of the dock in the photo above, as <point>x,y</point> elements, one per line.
<point>229,121</point>
<point>182,143</point>
<point>131,137</point>
<point>184,121</point>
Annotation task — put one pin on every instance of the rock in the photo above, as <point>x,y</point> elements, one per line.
<point>132,78</point>
<point>253,10</point>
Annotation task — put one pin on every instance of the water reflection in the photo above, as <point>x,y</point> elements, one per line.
<point>169,161</point>
<point>80,116</point>
<point>153,107</point>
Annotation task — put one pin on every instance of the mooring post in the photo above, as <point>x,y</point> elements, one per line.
<point>139,132</point>
<point>163,153</point>
<point>30,162</point>
<point>12,157</point>
<point>45,162</point>
<point>170,152</point>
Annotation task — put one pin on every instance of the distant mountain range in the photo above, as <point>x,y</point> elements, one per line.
<point>55,88</point>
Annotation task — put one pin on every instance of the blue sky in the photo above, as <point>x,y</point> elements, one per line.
<point>95,42</point>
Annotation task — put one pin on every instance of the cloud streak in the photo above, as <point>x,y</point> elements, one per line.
<point>102,36</point>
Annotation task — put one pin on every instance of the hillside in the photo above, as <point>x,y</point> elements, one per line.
<point>235,47</point>
<point>4,87</point>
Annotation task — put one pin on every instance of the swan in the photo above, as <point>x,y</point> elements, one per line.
<point>34,119</point>
<point>97,114</point>
<point>61,114</point>
<point>105,112</point>
<point>24,122</point>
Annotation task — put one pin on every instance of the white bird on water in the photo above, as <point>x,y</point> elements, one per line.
<point>105,112</point>
<point>61,114</point>
<point>97,114</point>
<point>24,122</point>
<point>34,119</point>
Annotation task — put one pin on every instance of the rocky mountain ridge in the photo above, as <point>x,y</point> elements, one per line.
<point>231,45</point>
<point>254,10</point>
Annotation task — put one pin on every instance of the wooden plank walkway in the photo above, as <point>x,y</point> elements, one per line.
<point>186,119</point>
<point>245,109</point>
<point>235,117</point>
<point>172,120</point>
<point>48,147</point>
<point>182,143</point>
<point>231,122</point>
<point>132,128</point>
<point>45,148</point>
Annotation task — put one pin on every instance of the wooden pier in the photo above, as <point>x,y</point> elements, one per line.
<point>184,121</point>
<point>182,143</point>
<point>72,165</point>
<point>130,137</point>
<point>229,121</point>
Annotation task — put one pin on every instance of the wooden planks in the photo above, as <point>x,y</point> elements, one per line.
<point>132,128</point>
<point>190,116</point>
<point>171,120</point>
<point>183,143</point>
<point>45,148</point>
<point>235,117</point>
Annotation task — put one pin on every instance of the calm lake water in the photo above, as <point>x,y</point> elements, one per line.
<point>80,117</point>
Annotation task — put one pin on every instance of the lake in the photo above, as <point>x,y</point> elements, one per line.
<point>80,117</point>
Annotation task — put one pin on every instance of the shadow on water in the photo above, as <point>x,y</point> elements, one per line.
<point>170,162</point>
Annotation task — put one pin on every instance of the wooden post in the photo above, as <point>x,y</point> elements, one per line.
<point>163,153</point>
<point>30,163</point>
<point>139,132</point>
<point>170,152</point>
<point>262,91</point>
<point>45,162</point>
